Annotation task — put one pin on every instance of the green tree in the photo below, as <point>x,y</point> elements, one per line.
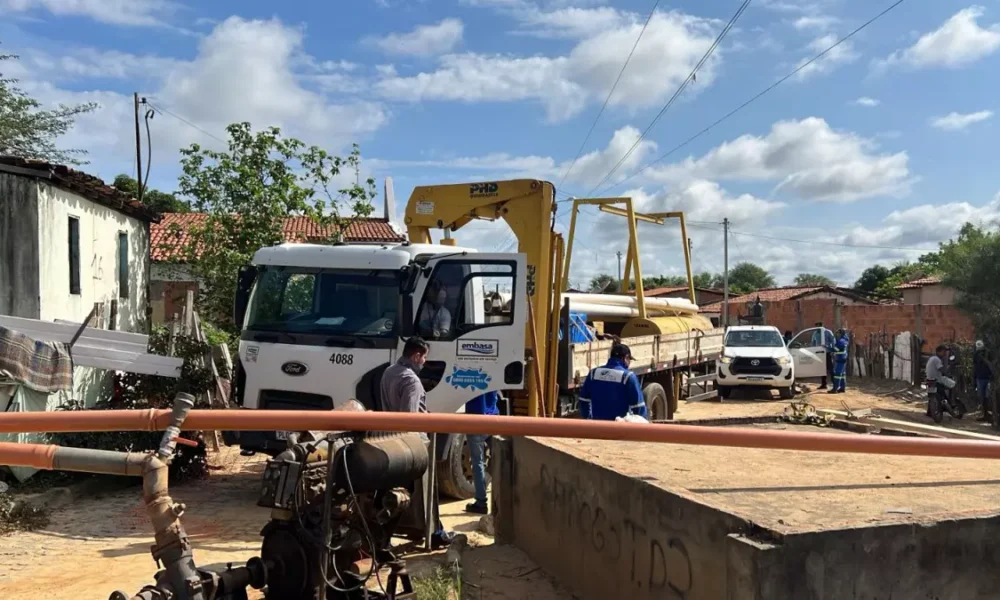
<point>30,131</point>
<point>706,280</point>
<point>747,277</point>
<point>871,279</point>
<point>161,202</point>
<point>248,191</point>
<point>804,279</point>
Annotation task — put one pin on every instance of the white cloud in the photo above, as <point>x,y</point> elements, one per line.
<point>424,40</point>
<point>839,55</point>
<point>113,12</point>
<point>671,46</point>
<point>244,70</point>
<point>569,22</point>
<point>954,121</point>
<point>807,158</point>
<point>923,224</point>
<point>866,101</point>
<point>958,42</point>
<point>821,22</point>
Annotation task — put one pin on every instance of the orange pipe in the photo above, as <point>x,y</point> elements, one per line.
<point>301,420</point>
<point>39,456</point>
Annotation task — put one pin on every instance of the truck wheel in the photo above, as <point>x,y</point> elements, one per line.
<point>787,393</point>
<point>454,471</point>
<point>655,398</point>
<point>725,391</point>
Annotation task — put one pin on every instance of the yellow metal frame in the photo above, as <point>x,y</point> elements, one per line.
<point>632,256</point>
<point>527,205</point>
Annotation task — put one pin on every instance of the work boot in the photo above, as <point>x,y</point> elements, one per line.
<point>477,508</point>
<point>831,391</point>
<point>442,539</point>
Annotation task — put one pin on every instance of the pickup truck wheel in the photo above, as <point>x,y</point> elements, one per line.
<point>787,393</point>
<point>454,471</point>
<point>655,398</point>
<point>725,391</point>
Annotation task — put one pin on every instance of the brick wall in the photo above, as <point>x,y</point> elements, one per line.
<point>937,323</point>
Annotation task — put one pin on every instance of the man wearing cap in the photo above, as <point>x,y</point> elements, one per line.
<point>612,391</point>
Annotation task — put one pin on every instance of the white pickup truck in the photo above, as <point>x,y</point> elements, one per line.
<point>755,357</point>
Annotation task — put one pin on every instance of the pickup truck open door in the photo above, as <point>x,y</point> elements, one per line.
<point>809,353</point>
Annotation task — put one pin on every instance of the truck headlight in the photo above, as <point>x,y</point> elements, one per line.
<point>784,360</point>
<point>726,360</point>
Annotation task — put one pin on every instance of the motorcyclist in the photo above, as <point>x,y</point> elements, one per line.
<point>938,386</point>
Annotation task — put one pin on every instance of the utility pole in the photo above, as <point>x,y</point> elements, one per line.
<point>138,147</point>
<point>619,254</point>
<point>725,272</point>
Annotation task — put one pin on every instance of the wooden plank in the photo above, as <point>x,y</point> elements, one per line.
<point>910,426</point>
<point>701,378</point>
<point>139,365</point>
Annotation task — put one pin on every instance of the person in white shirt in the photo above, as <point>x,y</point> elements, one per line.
<point>435,318</point>
<point>933,371</point>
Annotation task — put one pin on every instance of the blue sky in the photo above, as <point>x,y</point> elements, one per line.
<point>886,141</point>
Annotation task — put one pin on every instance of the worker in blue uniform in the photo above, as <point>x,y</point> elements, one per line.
<point>485,404</point>
<point>612,391</point>
<point>840,362</point>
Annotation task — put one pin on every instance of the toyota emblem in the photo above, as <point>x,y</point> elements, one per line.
<point>755,362</point>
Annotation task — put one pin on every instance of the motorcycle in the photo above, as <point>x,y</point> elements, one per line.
<point>942,395</point>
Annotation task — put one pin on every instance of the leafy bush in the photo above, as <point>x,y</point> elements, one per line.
<point>136,391</point>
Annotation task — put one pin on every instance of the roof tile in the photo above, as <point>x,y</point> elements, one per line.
<point>82,184</point>
<point>170,236</point>
<point>918,283</point>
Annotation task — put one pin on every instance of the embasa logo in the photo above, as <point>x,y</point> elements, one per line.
<point>478,347</point>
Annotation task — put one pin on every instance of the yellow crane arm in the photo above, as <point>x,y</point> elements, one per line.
<point>527,206</point>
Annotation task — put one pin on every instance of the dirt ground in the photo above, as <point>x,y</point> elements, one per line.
<point>804,491</point>
<point>101,544</point>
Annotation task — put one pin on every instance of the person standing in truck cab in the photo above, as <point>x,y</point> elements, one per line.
<point>612,391</point>
<point>435,318</point>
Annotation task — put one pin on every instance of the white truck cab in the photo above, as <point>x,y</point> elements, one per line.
<point>755,356</point>
<point>322,322</point>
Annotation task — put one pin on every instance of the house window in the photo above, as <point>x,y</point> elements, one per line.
<point>123,265</point>
<point>74,255</point>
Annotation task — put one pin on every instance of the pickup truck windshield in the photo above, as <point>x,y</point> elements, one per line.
<point>325,302</point>
<point>754,339</point>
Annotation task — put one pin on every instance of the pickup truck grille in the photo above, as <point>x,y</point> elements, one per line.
<point>745,366</point>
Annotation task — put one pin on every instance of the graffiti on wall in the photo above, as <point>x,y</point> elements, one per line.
<point>655,560</point>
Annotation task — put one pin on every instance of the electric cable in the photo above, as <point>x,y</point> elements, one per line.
<point>677,93</point>
<point>759,94</point>
<point>610,93</point>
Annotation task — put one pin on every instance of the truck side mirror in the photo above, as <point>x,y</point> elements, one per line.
<point>244,283</point>
<point>408,276</point>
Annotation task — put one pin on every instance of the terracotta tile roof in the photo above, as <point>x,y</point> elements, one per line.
<point>711,308</point>
<point>918,283</point>
<point>653,292</point>
<point>90,187</point>
<point>169,237</point>
<point>795,292</point>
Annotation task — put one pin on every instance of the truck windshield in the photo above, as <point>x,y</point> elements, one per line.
<point>759,338</point>
<point>325,302</point>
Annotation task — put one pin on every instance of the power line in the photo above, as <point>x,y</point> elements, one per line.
<point>610,93</point>
<point>759,94</point>
<point>188,123</point>
<point>677,93</point>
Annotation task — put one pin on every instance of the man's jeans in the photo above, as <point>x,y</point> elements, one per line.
<point>983,387</point>
<point>477,452</point>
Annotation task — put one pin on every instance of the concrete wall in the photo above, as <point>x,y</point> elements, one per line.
<point>99,229</point>
<point>19,247</point>
<point>169,284</point>
<point>604,534</point>
<point>607,535</point>
<point>929,295</point>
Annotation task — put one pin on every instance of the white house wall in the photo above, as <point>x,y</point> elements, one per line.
<point>99,229</point>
